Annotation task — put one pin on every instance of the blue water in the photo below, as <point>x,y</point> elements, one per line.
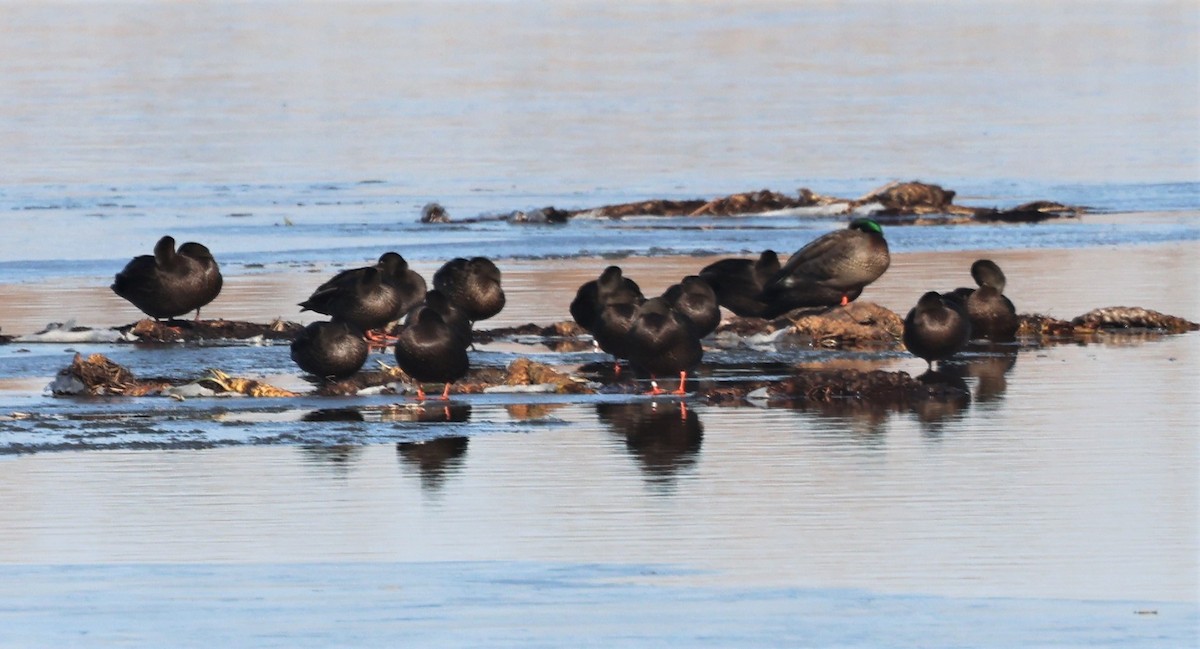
<point>1057,508</point>
<point>527,604</point>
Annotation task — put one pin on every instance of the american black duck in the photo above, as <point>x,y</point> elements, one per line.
<point>429,351</point>
<point>935,330</point>
<point>473,285</point>
<point>330,350</point>
<point>370,297</point>
<point>830,270</point>
<point>992,315</point>
<point>738,282</point>
<point>663,342</point>
<point>592,296</point>
<point>170,283</point>
<point>695,300</point>
<point>451,314</point>
<point>611,330</point>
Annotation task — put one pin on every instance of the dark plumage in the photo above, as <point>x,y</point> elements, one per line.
<point>451,314</point>
<point>472,285</point>
<point>370,297</point>
<point>662,342</point>
<point>330,349</point>
<point>170,283</point>
<point>992,315</point>
<point>830,270</point>
<point>611,287</point>
<point>611,329</point>
<point>695,300</point>
<point>935,330</point>
<point>429,351</point>
<point>738,283</point>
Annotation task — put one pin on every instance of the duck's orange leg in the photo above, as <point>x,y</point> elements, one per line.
<point>654,389</point>
<point>682,380</point>
<point>446,393</point>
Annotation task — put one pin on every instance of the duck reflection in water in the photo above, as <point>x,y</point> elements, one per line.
<point>435,460</point>
<point>663,437</point>
<point>337,456</point>
<point>933,414</point>
<point>989,363</point>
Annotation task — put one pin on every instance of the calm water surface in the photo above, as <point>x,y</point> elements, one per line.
<point>1059,507</point>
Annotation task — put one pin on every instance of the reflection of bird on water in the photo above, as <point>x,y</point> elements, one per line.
<point>935,330</point>
<point>170,282</point>
<point>934,413</point>
<point>992,315</point>
<point>334,414</point>
<point>435,459</point>
<point>663,437</point>
<point>738,283</point>
<point>987,362</point>
<point>832,269</point>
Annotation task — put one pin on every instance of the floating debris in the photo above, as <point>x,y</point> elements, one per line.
<point>250,387</point>
<point>1117,320</point>
<point>169,331</point>
<point>857,325</point>
<point>97,375</point>
<point>896,203</point>
<point>1124,317</point>
<point>524,372</point>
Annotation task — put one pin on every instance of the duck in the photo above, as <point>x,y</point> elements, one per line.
<point>611,331</point>
<point>472,285</point>
<point>662,341</point>
<point>451,314</point>
<point>738,282</point>
<point>829,271</point>
<point>992,314</point>
<point>170,282</point>
<point>695,300</point>
<point>370,297</point>
<point>430,351</point>
<point>612,286</point>
<point>935,329</point>
<point>330,350</point>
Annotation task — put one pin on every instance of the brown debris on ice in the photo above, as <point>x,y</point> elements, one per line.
<point>854,326</point>
<point>896,203</point>
<point>1033,212</point>
<point>220,382</point>
<point>563,329</point>
<point>362,380</point>
<point>875,385</point>
<point>911,198</point>
<point>1113,320</point>
<point>164,331</point>
<point>877,388</point>
<point>97,375</point>
<point>527,372</point>
<point>1124,317</point>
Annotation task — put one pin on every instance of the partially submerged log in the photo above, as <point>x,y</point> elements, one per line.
<point>96,375</point>
<point>163,331</point>
<point>1113,320</point>
<point>896,203</point>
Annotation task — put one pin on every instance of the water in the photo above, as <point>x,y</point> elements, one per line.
<point>1058,507</point>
